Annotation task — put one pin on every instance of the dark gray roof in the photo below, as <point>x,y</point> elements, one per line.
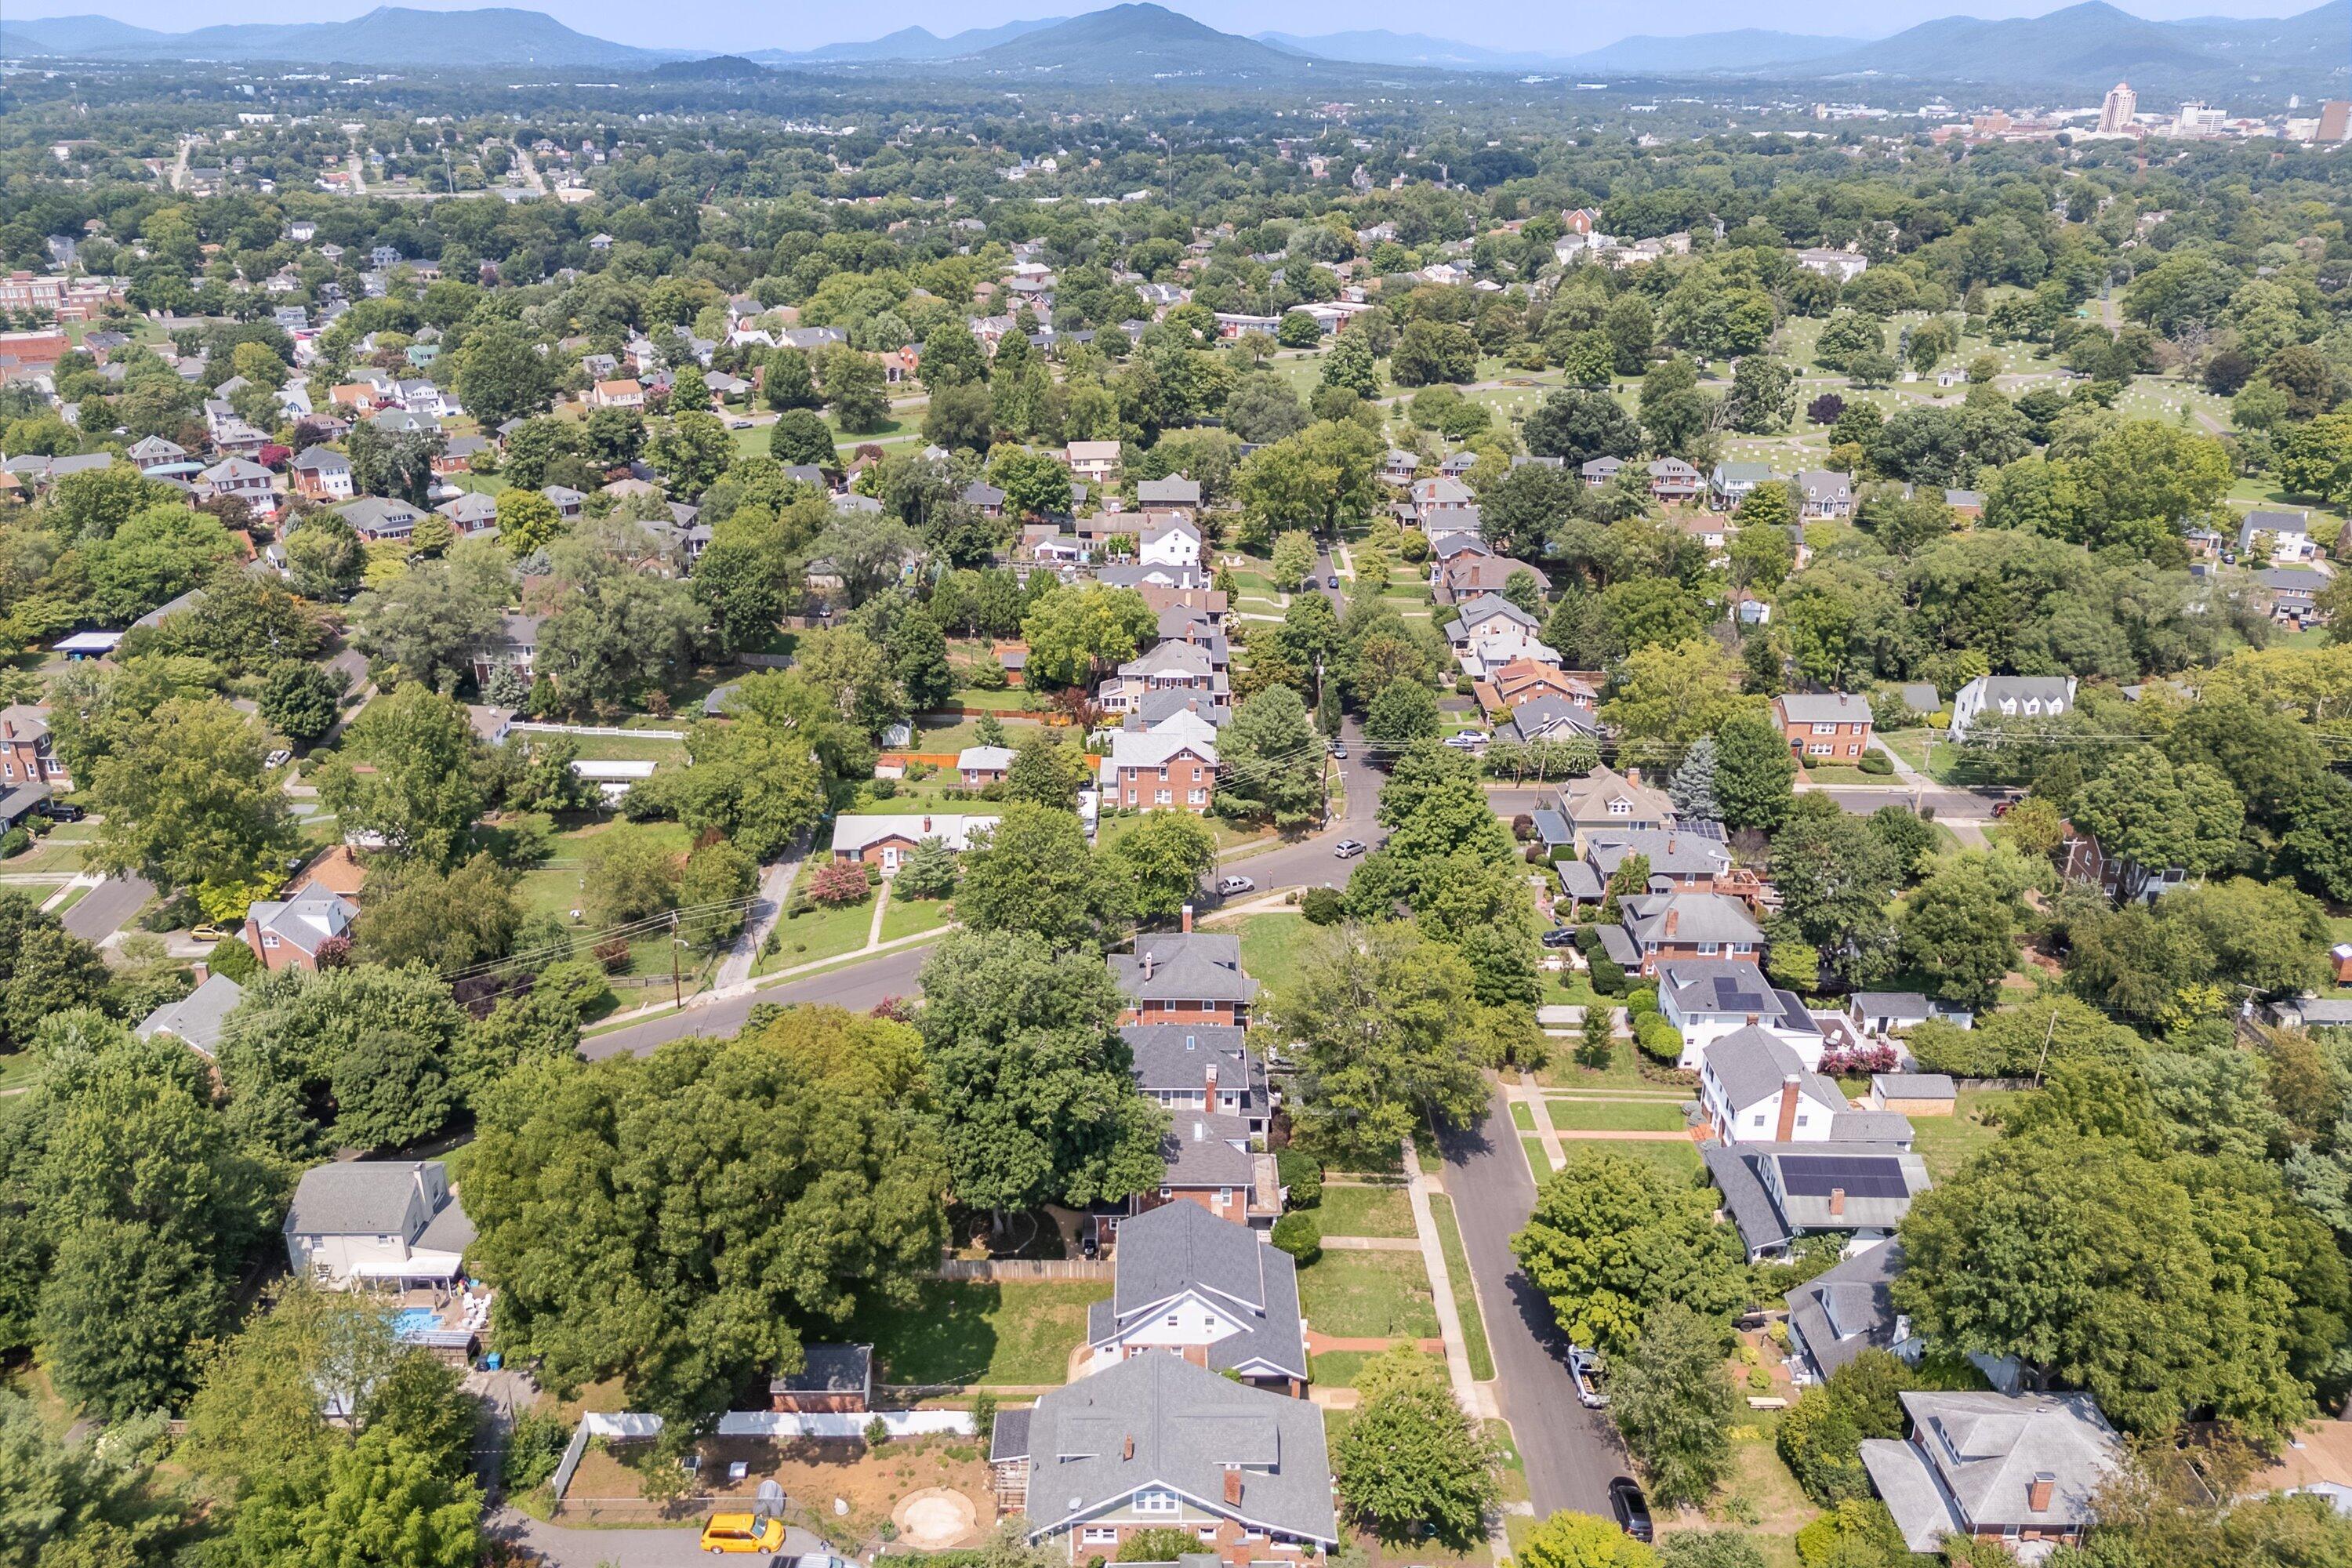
<point>1181,1248</point>
<point>16,802</point>
<point>1157,1421</point>
<point>1670,851</point>
<point>1844,1310</point>
<point>1750,1207</point>
<point>1547,717</point>
<point>363,1197</point>
<point>1209,1149</point>
<point>1159,705</point>
<point>1696,917</point>
<point>1008,1439</point>
<point>829,1369</point>
<point>1752,1064</point>
<point>1176,1057</point>
<point>1913,1085</point>
<point>1889,1004</point>
<point>1191,966</point>
<point>1732,987</point>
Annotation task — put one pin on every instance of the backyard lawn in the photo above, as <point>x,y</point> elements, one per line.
<point>1616,1115</point>
<point>1367,1295</point>
<point>1366,1211</point>
<point>1270,948</point>
<point>1020,1332</point>
<point>1947,1142</point>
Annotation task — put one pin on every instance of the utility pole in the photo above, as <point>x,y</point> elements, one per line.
<point>677,994</point>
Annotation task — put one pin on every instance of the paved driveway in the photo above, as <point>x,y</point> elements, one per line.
<point>104,908</point>
<point>1570,1452</point>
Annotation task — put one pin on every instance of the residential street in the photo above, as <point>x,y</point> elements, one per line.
<point>673,1546</point>
<point>1569,1451</point>
<point>856,986</point>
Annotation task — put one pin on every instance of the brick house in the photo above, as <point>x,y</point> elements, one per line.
<point>289,933</point>
<point>1660,927</point>
<point>887,841</point>
<point>1159,770</point>
<point>1831,725</point>
<point>28,754</point>
<point>1183,977</point>
<point>321,473</point>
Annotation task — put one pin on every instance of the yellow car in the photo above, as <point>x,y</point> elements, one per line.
<point>207,933</point>
<point>742,1533</point>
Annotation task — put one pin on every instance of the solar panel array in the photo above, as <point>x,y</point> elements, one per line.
<point>1858,1175</point>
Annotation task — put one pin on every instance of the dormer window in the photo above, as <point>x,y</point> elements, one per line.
<point>1155,1502</point>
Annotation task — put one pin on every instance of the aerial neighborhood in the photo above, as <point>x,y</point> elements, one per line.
<point>1311,810</point>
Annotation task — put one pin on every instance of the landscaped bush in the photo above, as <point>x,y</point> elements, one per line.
<point>1523,827</point>
<point>1875,763</point>
<point>884,789</point>
<point>1867,1060</point>
<point>1303,1175</point>
<point>15,841</point>
<point>1607,977</point>
<point>1323,906</point>
<point>1657,1039</point>
<point>837,883</point>
<point>1300,1234</point>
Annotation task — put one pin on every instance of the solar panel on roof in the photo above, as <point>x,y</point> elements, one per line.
<point>1858,1176</point>
<point>1699,827</point>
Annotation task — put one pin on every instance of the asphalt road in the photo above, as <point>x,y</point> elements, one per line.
<point>675,1546</point>
<point>856,986</point>
<point>1572,1453</point>
<point>104,908</point>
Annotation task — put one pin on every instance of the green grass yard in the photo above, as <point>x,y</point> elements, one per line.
<point>1019,1331</point>
<point>1366,1211</point>
<point>1678,1159</point>
<point>1365,1295</point>
<point>1948,1142</point>
<point>1465,1295</point>
<point>905,917</point>
<point>1615,1116</point>
<point>1270,952</point>
<point>1539,1160</point>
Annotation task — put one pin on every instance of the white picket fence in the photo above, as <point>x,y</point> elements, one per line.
<point>533,728</point>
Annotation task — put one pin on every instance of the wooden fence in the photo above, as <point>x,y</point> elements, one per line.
<point>997,1270</point>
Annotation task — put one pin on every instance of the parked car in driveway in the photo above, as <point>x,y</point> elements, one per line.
<point>1584,1370</point>
<point>1559,936</point>
<point>1348,848</point>
<point>1468,741</point>
<point>1631,1509</point>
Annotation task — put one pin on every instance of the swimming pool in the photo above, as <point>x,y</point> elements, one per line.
<point>415,1321</point>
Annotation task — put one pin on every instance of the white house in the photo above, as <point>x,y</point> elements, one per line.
<point>377,1222</point>
<point>1707,999</point>
<point>1203,1289</point>
<point>2010,697</point>
<point>1490,632</point>
<point>1756,1089</point>
<point>1169,538</point>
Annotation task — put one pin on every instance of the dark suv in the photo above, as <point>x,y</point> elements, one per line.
<point>1631,1509</point>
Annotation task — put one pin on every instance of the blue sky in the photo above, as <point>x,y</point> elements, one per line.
<point>1502,24</point>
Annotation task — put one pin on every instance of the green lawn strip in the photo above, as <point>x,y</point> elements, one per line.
<point>625,748</point>
<point>1523,1116</point>
<point>1364,1295</point>
<point>1337,1369</point>
<point>1836,776</point>
<point>1675,1159</point>
<point>1367,1211</point>
<point>905,917</point>
<point>1514,1467</point>
<point>1570,988</point>
<point>1615,1116</point>
<point>1465,1297</point>
<point>1947,1142</point>
<point>1539,1160</point>
<point>1018,1332</point>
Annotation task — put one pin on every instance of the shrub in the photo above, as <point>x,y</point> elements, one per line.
<point>877,1432</point>
<point>13,842</point>
<point>613,954</point>
<point>1303,1175</point>
<point>534,1449</point>
<point>838,883</point>
<point>1657,1038</point>
<point>1323,906</point>
<point>233,960</point>
<point>1300,1234</point>
<point>1161,1543</point>
<point>1523,827</point>
<point>1607,979</point>
<point>984,1418</point>
<point>885,789</point>
<point>1641,999</point>
<point>1875,763</point>
<point>1866,1060</point>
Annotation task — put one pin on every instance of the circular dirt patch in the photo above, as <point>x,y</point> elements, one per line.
<point>935,1517</point>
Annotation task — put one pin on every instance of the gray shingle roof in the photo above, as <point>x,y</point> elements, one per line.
<point>363,1197</point>
<point>1751,1065</point>
<point>1844,1310</point>
<point>1825,707</point>
<point>197,1017</point>
<point>1179,1247</point>
<point>1695,917</point>
<point>1734,988</point>
<point>1986,1449</point>
<point>829,1369</point>
<point>1176,1057</point>
<point>1158,1421</point>
<point>1195,966</point>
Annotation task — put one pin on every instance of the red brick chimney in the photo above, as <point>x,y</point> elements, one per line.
<point>1127,1449</point>
<point>1789,1096</point>
<point>927,826</point>
<point>1632,775</point>
<point>2038,1492</point>
<point>1673,920</point>
<point>201,969</point>
<point>1188,919</point>
<point>1209,1099</point>
<point>1233,1489</point>
<point>1147,962</point>
<point>1837,1202</point>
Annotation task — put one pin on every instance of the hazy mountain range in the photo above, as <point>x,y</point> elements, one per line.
<point>2080,50</point>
